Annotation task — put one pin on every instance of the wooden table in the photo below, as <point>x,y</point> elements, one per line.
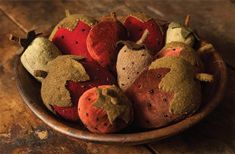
<point>22,132</point>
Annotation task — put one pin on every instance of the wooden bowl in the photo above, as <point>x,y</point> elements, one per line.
<point>29,89</point>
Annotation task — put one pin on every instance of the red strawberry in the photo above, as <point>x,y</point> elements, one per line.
<point>98,76</point>
<point>70,34</point>
<point>105,109</point>
<point>102,39</point>
<point>150,102</point>
<point>136,24</point>
<point>53,94</point>
<point>166,92</point>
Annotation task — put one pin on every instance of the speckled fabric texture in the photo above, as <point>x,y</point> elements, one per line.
<point>130,64</point>
<point>60,70</point>
<point>38,54</point>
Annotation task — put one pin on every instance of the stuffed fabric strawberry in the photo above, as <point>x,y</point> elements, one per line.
<point>105,109</point>
<point>102,39</point>
<point>137,23</point>
<point>70,34</point>
<point>37,52</point>
<point>166,92</point>
<point>181,33</point>
<point>66,79</point>
<point>179,49</point>
<point>131,61</point>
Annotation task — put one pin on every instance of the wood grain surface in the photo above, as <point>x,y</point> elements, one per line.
<point>22,132</point>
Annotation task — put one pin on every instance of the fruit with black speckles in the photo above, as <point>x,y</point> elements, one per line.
<point>66,79</point>
<point>105,109</point>
<point>137,23</point>
<point>70,34</point>
<point>166,92</point>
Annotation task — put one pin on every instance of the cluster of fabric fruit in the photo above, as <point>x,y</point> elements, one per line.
<point>118,72</point>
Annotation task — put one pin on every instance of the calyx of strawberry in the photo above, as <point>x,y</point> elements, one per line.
<point>114,102</point>
<point>59,71</point>
<point>71,20</point>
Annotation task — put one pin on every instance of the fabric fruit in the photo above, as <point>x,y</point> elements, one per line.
<point>137,23</point>
<point>66,79</point>
<point>102,39</point>
<point>105,109</point>
<point>70,34</point>
<point>132,59</point>
<point>166,92</point>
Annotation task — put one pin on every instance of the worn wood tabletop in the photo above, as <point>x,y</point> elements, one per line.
<point>22,132</point>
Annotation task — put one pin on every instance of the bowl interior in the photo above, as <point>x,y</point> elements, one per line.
<point>29,89</point>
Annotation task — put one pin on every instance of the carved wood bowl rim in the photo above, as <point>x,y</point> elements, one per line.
<point>124,138</point>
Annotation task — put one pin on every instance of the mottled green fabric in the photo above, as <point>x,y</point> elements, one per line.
<point>114,102</point>
<point>181,81</point>
<point>60,70</point>
<point>38,54</point>
<point>179,33</point>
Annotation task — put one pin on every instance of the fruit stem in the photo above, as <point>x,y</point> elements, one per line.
<point>186,21</point>
<point>114,16</point>
<point>143,37</point>
<point>67,13</point>
<point>205,77</point>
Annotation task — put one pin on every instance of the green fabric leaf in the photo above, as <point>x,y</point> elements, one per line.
<point>174,25</point>
<point>180,81</point>
<point>114,102</point>
<point>71,21</point>
<point>60,70</point>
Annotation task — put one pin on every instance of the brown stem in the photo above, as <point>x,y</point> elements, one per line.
<point>67,13</point>
<point>114,16</point>
<point>186,21</point>
<point>143,37</point>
